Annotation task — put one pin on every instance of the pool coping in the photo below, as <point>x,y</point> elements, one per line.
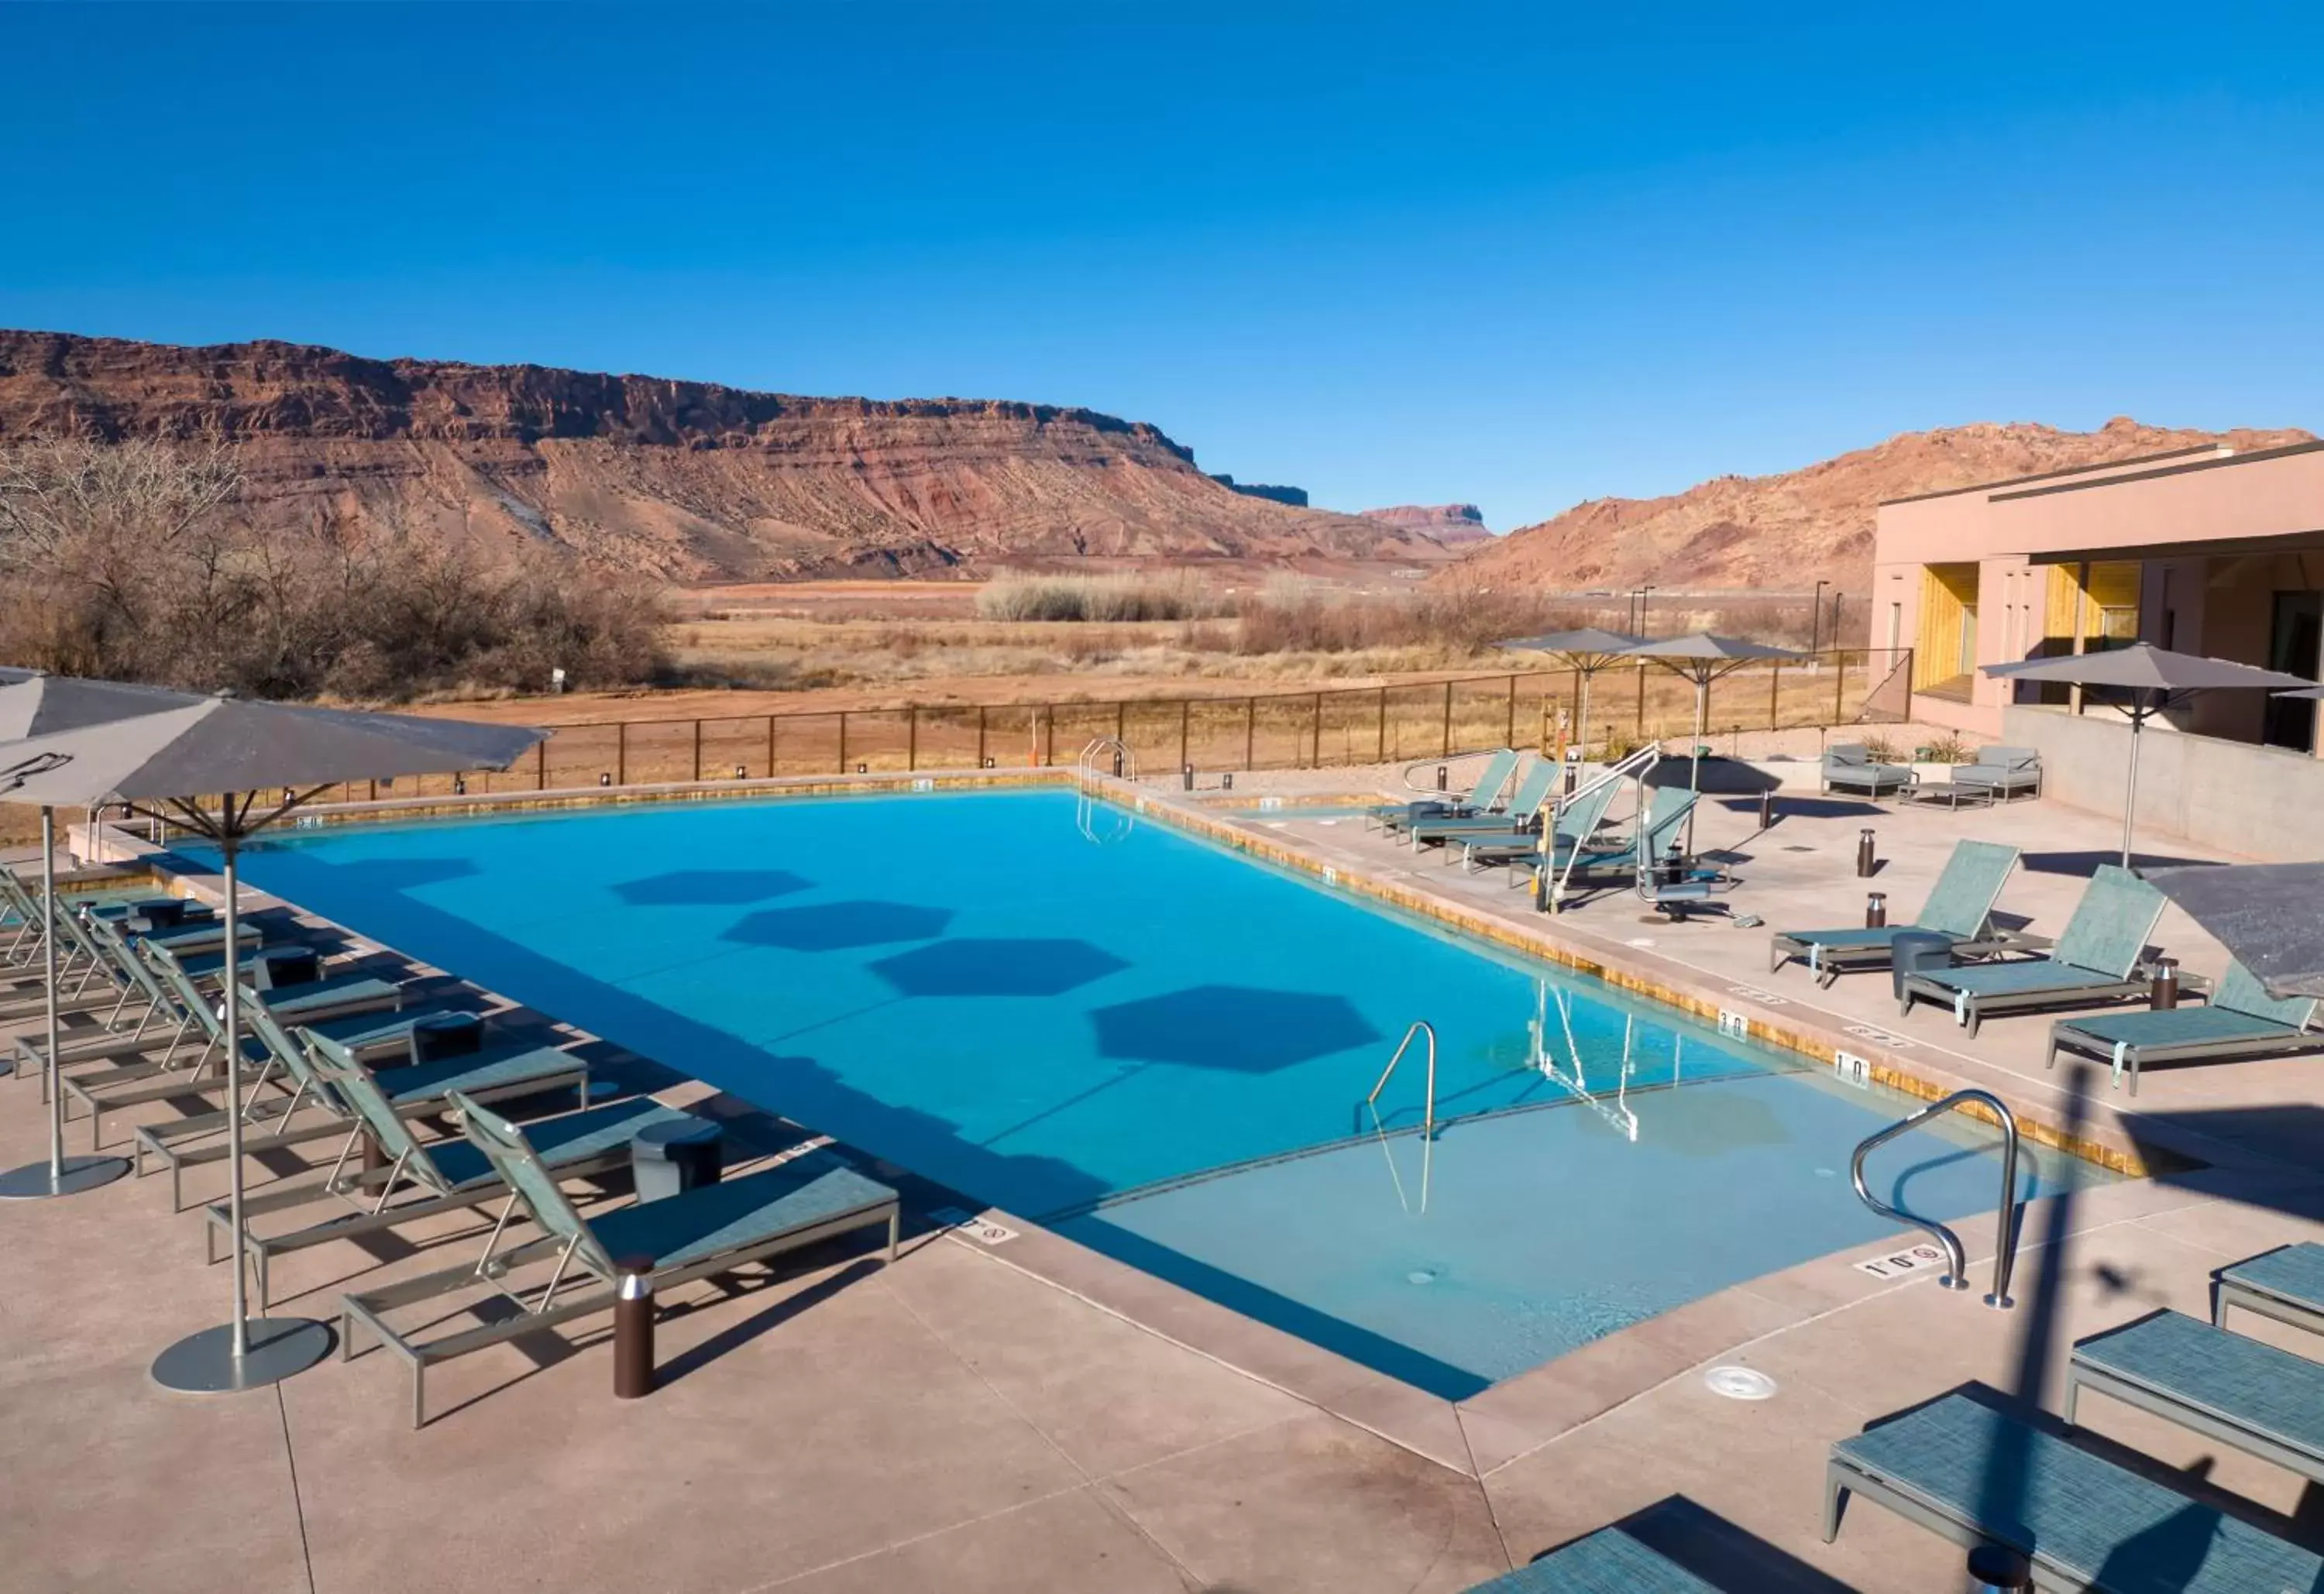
<point>1472,1436</point>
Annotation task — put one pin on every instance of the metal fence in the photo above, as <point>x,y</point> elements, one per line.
<point>1312,729</point>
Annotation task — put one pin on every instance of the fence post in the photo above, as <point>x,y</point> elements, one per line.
<point>1121,721</point>
<point>1316,735</point>
<point>1249,731</point>
<point>1448,722</point>
<point>1640,732</point>
<point>980,735</point>
<point>1185,724</point>
<point>622,753</point>
<point>843,742</point>
<point>1774,697</point>
<point>912,737</point>
<point>1511,739</point>
<point>1049,736</point>
<point>541,764</point>
<point>697,748</point>
<point>770,747</point>
<point>1839,684</point>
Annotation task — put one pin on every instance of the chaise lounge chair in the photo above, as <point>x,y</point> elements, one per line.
<point>694,1235</point>
<point>1526,802</point>
<point>1482,794</point>
<point>336,996</point>
<point>2083,1522</point>
<point>2095,961</point>
<point>1572,826</point>
<point>1959,908</point>
<point>2286,1284</point>
<point>443,1177</point>
<point>2240,1020</point>
<point>381,1037</point>
<point>1848,766</point>
<point>2265,1402</point>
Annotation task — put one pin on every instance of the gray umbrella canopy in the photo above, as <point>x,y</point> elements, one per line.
<point>33,703</point>
<point>185,751</point>
<point>1587,642</point>
<point>1707,651</point>
<point>2144,668</point>
<point>2304,692</point>
<point>203,745</point>
<point>2265,914</point>
<point>2147,680</point>
<point>1586,652</point>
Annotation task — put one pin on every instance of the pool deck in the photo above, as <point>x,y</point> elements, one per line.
<point>1029,1415</point>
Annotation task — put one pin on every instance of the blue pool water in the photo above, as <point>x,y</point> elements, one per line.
<point>1159,1049</point>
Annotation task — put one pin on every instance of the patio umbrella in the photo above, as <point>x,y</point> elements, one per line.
<point>1703,659</point>
<point>160,763</point>
<point>1586,652</point>
<point>33,704</point>
<point>2150,679</point>
<point>2264,913</point>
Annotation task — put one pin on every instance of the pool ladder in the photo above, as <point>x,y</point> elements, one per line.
<point>1088,770</point>
<point>1420,1027</point>
<point>2005,1246</point>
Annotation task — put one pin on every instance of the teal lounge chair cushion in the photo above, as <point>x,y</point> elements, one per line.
<point>576,1136</point>
<point>2177,1027</point>
<point>482,1071</point>
<point>2255,1386</point>
<point>2296,1273</point>
<point>1856,939</point>
<point>719,1218</point>
<point>2019,979</point>
<point>290,1000</point>
<point>2078,1514</point>
<point>1608,1562</point>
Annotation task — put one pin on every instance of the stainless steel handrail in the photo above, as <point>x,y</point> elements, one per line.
<point>1086,777</point>
<point>1632,767</point>
<point>1428,1110</point>
<point>1450,757</point>
<point>2005,1244</point>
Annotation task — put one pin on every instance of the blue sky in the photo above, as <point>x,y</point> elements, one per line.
<point>1520,255</point>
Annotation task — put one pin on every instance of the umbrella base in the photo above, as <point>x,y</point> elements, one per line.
<point>279,1347</point>
<point>36,1182</point>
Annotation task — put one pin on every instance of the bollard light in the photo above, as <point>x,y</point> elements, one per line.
<point>1441,779</point>
<point>1226,781</point>
<point>2162,986</point>
<point>1186,776</point>
<point>742,771</point>
<point>606,778</point>
<point>633,1328</point>
<point>1766,810</point>
<point>988,763</point>
<point>1875,910</point>
<point>863,768</point>
<point>1865,859</point>
<point>460,786</point>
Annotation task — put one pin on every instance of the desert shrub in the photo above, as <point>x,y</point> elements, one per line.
<point>1115,598</point>
<point>1882,750</point>
<point>126,561</point>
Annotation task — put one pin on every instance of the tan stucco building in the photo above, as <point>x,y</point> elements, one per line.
<point>2204,550</point>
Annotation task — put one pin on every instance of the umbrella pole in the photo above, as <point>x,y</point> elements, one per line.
<point>2130,794</point>
<point>59,1174</point>
<point>1581,726</point>
<point>243,1354</point>
<point>1695,754</point>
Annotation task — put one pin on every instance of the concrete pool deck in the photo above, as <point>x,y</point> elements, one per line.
<point>1029,1415</point>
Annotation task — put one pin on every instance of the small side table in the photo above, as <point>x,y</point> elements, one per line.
<point>671,1158</point>
<point>1951,794</point>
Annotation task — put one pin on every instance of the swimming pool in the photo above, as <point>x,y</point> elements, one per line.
<point>1158,1048</point>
